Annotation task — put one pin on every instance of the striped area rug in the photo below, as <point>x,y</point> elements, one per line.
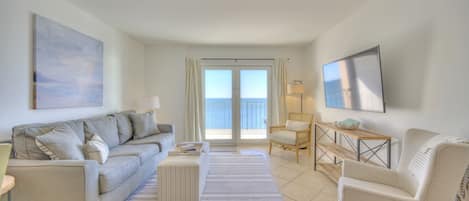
<point>231,177</point>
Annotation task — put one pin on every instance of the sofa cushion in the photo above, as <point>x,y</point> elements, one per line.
<point>116,171</point>
<point>24,138</point>
<point>105,127</point>
<point>142,151</point>
<point>164,141</point>
<point>144,125</point>
<point>124,126</point>
<point>61,144</point>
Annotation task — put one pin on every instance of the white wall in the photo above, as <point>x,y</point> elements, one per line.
<point>424,47</point>
<point>165,73</point>
<point>123,63</point>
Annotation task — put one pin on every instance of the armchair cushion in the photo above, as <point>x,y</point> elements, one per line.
<point>369,173</point>
<point>287,137</point>
<point>284,137</point>
<point>297,125</point>
<point>353,190</point>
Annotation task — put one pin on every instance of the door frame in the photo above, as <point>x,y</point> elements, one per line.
<point>236,104</point>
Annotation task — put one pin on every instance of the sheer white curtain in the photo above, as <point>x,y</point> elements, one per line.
<point>279,91</point>
<point>194,112</point>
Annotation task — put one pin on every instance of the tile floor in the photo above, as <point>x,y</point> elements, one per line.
<point>297,182</point>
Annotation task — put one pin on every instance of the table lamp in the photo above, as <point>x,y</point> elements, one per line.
<point>150,104</point>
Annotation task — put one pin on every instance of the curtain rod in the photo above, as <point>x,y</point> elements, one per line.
<point>267,59</point>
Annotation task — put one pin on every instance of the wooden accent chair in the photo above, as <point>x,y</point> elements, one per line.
<point>292,139</point>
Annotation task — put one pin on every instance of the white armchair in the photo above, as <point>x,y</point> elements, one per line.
<point>439,180</point>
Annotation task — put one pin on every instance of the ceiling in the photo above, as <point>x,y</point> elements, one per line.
<point>227,22</point>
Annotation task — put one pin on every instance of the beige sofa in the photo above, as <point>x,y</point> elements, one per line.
<point>130,163</point>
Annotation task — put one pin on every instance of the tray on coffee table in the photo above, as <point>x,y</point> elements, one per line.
<point>190,149</point>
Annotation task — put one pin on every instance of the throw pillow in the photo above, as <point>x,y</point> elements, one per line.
<point>61,143</point>
<point>124,126</point>
<point>297,125</point>
<point>144,125</point>
<point>96,149</point>
<point>105,127</point>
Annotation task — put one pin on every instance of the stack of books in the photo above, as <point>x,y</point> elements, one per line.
<point>189,149</point>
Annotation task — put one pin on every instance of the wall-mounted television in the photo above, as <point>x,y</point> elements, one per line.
<point>355,82</point>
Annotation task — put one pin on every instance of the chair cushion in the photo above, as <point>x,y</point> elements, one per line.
<point>297,125</point>
<point>164,141</point>
<point>124,126</point>
<point>361,190</point>
<point>115,171</point>
<point>105,127</point>
<point>143,151</point>
<point>287,137</point>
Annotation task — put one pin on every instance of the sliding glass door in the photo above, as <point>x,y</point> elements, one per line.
<point>254,103</point>
<point>236,104</point>
<point>219,104</point>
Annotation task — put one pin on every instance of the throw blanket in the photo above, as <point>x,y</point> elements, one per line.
<point>464,188</point>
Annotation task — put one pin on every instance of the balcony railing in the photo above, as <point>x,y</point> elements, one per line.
<point>218,113</point>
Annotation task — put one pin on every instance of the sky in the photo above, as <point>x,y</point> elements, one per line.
<point>218,83</point>
<point>331,72</point>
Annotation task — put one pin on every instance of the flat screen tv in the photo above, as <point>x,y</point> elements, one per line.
<point>355,82</point>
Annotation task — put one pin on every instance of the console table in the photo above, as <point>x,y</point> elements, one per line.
<point>357,141</point>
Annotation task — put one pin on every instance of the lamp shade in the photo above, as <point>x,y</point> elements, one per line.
<point>296,87</point>
<point>152,102</point>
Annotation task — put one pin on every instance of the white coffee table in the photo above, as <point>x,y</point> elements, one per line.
<point>182,177</point>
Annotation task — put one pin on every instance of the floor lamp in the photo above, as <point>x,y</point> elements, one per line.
<point>296,87</point>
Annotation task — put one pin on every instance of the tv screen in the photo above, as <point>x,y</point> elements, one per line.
<point>355,82</point>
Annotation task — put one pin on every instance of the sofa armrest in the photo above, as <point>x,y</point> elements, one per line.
<point>166,128</point>
<point>370,173</point>
<point>48,180</point>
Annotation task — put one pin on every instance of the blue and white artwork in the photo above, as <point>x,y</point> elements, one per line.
<point>68,67</point>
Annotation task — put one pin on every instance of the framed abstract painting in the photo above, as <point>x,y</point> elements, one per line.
<point>68,67</point>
